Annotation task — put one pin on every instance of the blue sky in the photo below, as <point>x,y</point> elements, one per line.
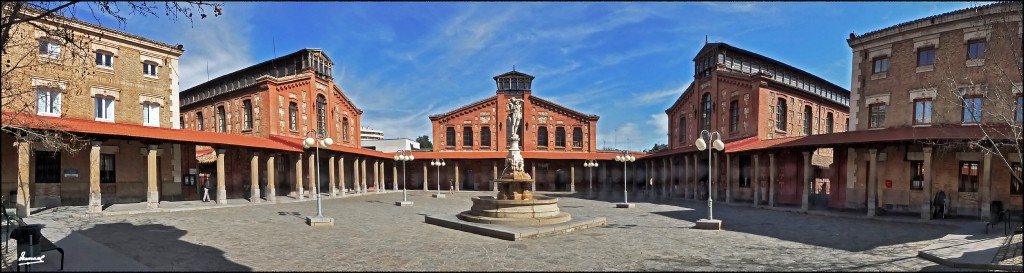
<point>626,62</point>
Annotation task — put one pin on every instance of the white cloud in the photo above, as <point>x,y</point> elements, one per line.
<point>659,96</point>
<point>741,7</point>
<point>221,42</point>
<point>660,124</point>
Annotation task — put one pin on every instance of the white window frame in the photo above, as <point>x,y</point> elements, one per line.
<point>104,112</point>
<point>109,58</point>
<point>51,99</point>
<point>152,72</point>
<point>53,48</point>
<point>150,114</point>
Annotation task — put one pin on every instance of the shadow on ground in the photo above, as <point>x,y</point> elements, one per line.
<point>174,253</point>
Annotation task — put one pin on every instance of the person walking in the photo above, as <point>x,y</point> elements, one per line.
<point>206,189</point>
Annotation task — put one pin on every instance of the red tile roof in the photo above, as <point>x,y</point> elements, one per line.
<point>903,134</point>
<point>758,144</point>
<point>139,131</point>
<point>297,143</point>
<point>526,155</point>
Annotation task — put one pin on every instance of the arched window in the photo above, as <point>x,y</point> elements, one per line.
<point>222,124</point>
<point>682,130</point>
<point>247,114</point>
<point>293,113</point>
<point>449,137</point>
<point>542,136</point>
<point>467,137</point>
<point>734,116</point>
<point>780,115</point>
<point>705,119</point>
<point>199,121</point>
<point>344,129</point>
<point>321,114</point>
<point>808,121</point>
<point>829,123</point>
<point>560,137</point>
<point>485,136</point>
<point>577,137</point>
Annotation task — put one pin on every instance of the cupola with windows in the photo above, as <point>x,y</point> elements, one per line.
<point>513,82</point>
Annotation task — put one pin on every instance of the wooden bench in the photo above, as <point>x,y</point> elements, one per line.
<point>44,244</point>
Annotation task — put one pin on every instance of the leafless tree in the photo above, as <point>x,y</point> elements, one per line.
<point>22,21</point>
<point>990,93</point>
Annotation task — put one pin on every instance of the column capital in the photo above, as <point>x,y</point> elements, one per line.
<point>873,151</point>
<point>152,147</point>
<point>96,143</point>
<point>771,155</point>
<point>221,151</point>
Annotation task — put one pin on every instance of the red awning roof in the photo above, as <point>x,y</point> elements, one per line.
<point>526,155</point>
<point>902,134</point>
<point>297,143</point>
<point>139,131</point>
<point>758,144</point>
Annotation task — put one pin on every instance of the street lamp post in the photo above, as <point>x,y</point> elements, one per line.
<point>438,163</point>
<point>590,164</point>
<point>716,143</point>
<point>318,139</point>
<point>624,158</point>
<point>402,156</point>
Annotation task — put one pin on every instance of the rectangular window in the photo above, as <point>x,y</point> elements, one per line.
<point>877,115</point>
<point>222,123</point>
<point>104,59</point>
<point>199,121</point>
<point>1020,109</point>
<point>577,137</point>
<point>107,174</point>
<point>449,138</point>
<point>968,176</point>
<point>49,48</point>
<point>48,103</point>
<point>150,114</point>
<point>560,137</point>
<point>976,50</point>
<point>916,175</point>
<point>467,137</point>
<point>926,56</point>
<point>247,114</point>
<point>293,111</point>
<point>48,167</point>
<point>1016,183</point>
<point>485,136</point>
<point>104,108</point>
<point>881,65</point>
<point>734,116</point>
<point>972,110</point>
<point>149,69</point>
<point>923,111</point>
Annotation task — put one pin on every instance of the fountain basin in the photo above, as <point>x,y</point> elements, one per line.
<point>536,211</point>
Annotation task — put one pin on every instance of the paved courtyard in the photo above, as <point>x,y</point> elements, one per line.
<point>371,233</point>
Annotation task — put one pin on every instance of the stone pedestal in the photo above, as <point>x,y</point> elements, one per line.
<point>319,221</point>
<point>403,203</point>
<point>625,205</point>
<point>539,211</point>
<point>438,195</point>
<point>709,224</point>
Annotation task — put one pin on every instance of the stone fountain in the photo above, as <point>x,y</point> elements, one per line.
<point>514,210</point>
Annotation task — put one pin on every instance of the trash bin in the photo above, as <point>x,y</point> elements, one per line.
<point>28,237</point>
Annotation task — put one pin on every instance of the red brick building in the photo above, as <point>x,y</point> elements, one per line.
<point>472,139</point>
<point>752,101</point>
<point>284,99</point>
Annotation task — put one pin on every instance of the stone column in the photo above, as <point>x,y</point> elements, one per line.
<point>299,191</point>
<point>926,202</point>
<point>376,176</point>
<point>696,177</point>
<point>330,176</point>
<point>728,179</point>
<point>872,181</point>
<point>24,206</point>
<point>494,185</point>
<point>222,192</point>
<point>362,175</point>
<point>153,194</point>
<point>603,176</point>
<point>355,176</point>
<point>95,202</point>
<point>572,178</point>
<point>341,174</point>
<point>271,176</point>
<point>757,180</point>
<point>426,182</point>
<point>254,171</point>
<point>771,179</point>
<point>457,183</point>
<point>805,201</point>
<point>671,176</point>
<point>314,181</point>
<point>985,187</point>
<point>533,166</point>
<point>683,182</point>
<point>394,176</point>
<point>666,177</point>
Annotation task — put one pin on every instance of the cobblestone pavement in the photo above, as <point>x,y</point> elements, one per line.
<point>371,233</point>
<point>1010,252</point>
